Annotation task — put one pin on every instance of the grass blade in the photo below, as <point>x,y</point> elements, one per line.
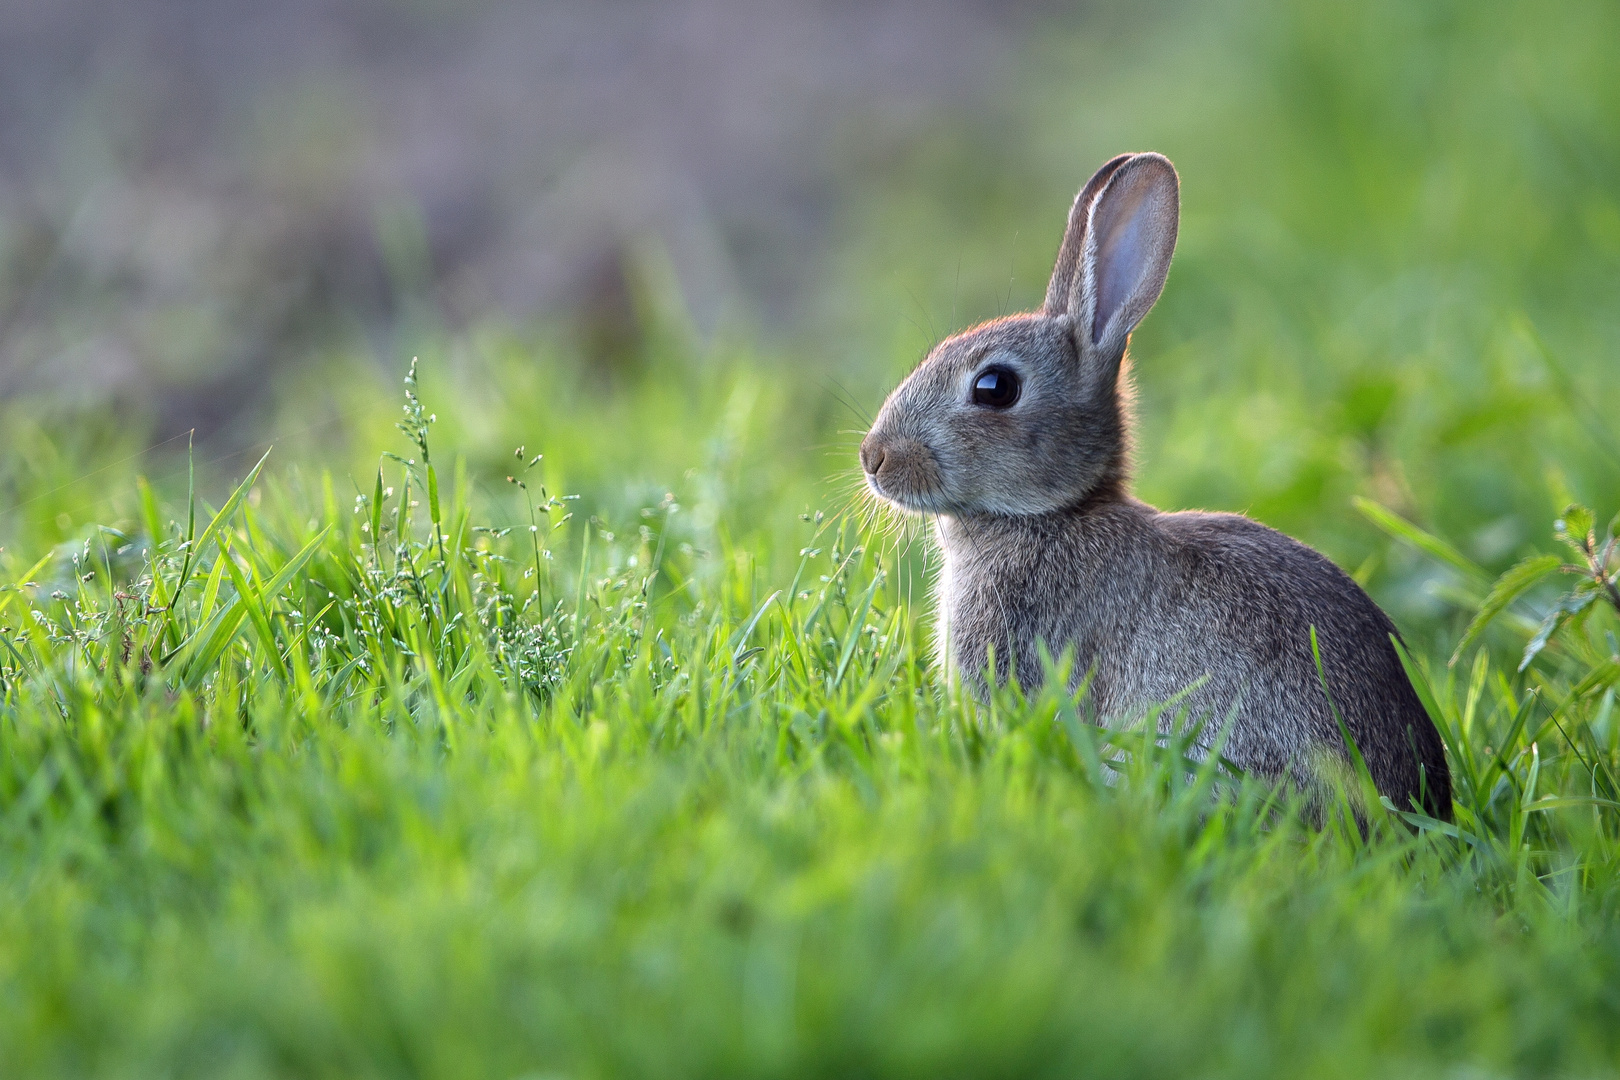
<point>1508,588</point>
<point>857,625</point>
<point>1401,529</point>
<point>214,525</point>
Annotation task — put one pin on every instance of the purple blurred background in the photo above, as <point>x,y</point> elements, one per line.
<point>194,192</point>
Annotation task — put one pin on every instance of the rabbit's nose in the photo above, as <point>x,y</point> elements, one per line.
<point>871,456</point>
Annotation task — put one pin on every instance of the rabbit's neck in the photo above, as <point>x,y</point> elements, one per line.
<point>988,540</point>
<point>1008,583</point>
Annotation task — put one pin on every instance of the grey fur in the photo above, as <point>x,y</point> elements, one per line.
<point>1043,542</point>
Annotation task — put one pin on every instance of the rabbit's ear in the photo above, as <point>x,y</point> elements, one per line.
<point>1129,238</point>
<point>1066,274</point>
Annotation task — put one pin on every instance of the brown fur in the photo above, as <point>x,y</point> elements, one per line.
<point>1043,542</point>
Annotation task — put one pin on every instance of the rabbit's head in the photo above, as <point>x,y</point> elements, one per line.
<point>1024,415</point>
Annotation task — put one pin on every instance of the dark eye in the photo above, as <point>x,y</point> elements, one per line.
<point>996,387</point>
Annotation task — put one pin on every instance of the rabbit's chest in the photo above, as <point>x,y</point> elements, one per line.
<point>1008,607</point>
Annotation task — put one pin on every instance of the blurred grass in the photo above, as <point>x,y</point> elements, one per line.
<point>699,805</point>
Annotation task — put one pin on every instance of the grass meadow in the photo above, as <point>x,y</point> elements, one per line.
<point>536,717</point>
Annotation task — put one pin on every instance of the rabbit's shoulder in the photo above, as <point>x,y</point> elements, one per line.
<point>1243,564</point>
<point>1238,541</point>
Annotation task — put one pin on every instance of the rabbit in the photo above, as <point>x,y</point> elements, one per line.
<point>1015,437</point>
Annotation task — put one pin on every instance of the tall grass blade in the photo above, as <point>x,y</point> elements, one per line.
<point>1401,529</point>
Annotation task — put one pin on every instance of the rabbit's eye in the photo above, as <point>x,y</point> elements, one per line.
<point>996,387</point>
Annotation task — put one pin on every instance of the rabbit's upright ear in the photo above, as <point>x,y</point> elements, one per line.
<point>1129,237</point>
<point>1066,274</point>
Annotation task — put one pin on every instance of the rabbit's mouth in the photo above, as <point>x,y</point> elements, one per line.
<point>904,472</point>
<point>916,503</point>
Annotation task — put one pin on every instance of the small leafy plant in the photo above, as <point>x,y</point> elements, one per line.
<point>1593,568</point>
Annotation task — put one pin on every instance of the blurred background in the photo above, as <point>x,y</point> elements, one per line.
<point>199,194</point>
<point>684,248</point>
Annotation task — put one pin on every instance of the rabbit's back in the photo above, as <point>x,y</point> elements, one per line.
<point>1154,602</point>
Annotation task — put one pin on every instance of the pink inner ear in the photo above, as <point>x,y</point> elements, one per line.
<point>1120,271</point>
<point>1123,250</point>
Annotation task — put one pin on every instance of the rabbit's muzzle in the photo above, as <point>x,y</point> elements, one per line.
<point>901,470</point>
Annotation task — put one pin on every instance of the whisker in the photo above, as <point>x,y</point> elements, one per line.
<point>931,333</point>
<point>956,290</point>
<point>850,400</point>
<point>842,395</point>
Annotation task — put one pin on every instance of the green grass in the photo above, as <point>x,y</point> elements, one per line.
<point>312,789</point>
<point>324,771</point>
